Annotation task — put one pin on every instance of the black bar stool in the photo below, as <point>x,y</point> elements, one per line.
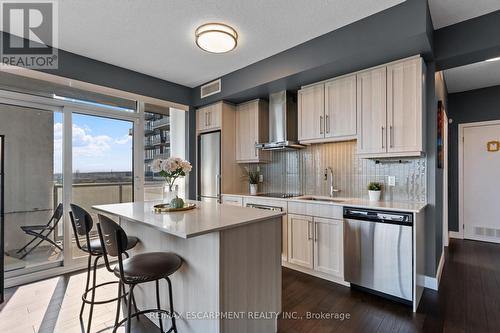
<point>82,224</point>
<point>141,268</point>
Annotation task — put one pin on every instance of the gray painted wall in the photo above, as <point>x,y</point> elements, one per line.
<point>434,211</point>
<point>466,107</point>
<point>467,42</point>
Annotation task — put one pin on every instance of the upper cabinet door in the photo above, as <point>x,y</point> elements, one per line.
<point>372,114</point>
<point>404,106</point>
<point>251,128</point>
<point>209,117</point>
<point>242,132</point>
<point>311,110</point>
<point>340,108</point>
<point>214,116</point>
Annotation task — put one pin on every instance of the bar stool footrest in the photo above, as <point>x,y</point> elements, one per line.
<point>171,329</point>
<point>86,301</point>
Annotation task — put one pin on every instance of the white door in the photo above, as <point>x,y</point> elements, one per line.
<point>481,182</point>
<point>404,106</point>
<point>300,249</point>
<point>312,112</point>
<point>340,108</point>
<point>372,112</point>
<point>328,246</point>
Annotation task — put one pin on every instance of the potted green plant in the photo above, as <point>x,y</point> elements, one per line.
<point>374,190</point>
<point>253,179</point>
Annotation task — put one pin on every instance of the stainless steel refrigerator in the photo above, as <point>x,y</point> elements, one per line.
<point>209,170</point>
<point>2,238</point>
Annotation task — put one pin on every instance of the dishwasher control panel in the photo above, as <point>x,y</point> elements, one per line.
<point>378,215</point>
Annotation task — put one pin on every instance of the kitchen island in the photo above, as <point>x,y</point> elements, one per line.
<point>231,277</point>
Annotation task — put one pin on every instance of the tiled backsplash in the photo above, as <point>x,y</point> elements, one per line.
<point>303,171</point>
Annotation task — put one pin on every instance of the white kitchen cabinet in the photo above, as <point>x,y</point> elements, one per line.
<point>327,111</point>
<point>404,107</point>
<point>300,240</point>
<point>311,113</point>
<point>390,110</point>
<point>328,246</point>
<point>232,200</point>
<point>340,109</point>
<point>252,119</point>
<point>209,117</point>
<point>372,111</point>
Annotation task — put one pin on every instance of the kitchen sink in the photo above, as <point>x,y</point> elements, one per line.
<point>324,199</point>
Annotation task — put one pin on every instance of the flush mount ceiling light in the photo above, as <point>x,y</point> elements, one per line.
<point>493,59</point>
<point>216,38</point>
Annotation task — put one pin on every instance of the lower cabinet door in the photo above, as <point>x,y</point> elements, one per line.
<point>328,246</point>
<point>300,240</point>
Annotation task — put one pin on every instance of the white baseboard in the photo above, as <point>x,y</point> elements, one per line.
<point>433,282</point>
<point>455,234</point>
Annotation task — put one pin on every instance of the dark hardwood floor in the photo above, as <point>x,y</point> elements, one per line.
<point>468,301</point>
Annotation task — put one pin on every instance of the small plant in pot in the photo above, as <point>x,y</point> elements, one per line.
<point>374,190</point>
<point>253,179</point>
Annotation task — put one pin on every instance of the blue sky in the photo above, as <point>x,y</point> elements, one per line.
<point>99,144</point>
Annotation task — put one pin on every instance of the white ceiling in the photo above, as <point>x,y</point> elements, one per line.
<point>157,37</point>
<point>448,12</point>
<point>474,76</point>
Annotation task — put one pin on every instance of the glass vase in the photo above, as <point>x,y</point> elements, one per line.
<point>170,192</point>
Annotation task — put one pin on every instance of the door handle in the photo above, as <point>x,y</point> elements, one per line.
<point>309,230</point>
<point>391,136</point>
<point>320,124</point>
<point>217,178</point>
<point>315,232</point>
<point>383,137</point>
<point>209,114</point>
<point>327,124</point>
<point>206,119</point>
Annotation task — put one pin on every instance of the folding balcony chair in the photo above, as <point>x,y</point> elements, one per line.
<point>42,232</point>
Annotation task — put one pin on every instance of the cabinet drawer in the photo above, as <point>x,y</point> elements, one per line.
<point>233,200</point>
<point>321,210</point>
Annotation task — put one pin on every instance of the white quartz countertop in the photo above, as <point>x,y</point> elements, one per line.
<point>412,207</point>
<point>207,217</point>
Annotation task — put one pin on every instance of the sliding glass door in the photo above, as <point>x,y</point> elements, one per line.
<point>32,159</point>
<point>102,164</point>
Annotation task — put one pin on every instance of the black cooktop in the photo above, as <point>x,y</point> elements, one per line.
<point>279,195</point>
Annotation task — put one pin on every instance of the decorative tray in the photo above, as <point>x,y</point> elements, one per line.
<point>165,208</point>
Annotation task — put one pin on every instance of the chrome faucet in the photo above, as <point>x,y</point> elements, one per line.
<point>332,189</point>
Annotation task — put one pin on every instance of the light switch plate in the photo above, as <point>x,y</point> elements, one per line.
<point>391,180</point>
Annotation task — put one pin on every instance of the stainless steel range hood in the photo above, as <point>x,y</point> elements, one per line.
<point>283,122</point>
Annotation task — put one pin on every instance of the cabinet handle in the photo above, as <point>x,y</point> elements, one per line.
<point>315,232</point>
<point>383,137</point>
<point>327,123</point>
<point>309,230</point>
<point>210,118</point>
<point>320,124</point>
<point>206,119</point>
<point>391,136</point>
<point>255,148</point>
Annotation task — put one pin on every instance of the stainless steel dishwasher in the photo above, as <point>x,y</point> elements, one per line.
<point>378,252</point>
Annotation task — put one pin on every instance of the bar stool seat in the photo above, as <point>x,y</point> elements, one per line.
<point>150,266</point>
<point>95,245</point>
